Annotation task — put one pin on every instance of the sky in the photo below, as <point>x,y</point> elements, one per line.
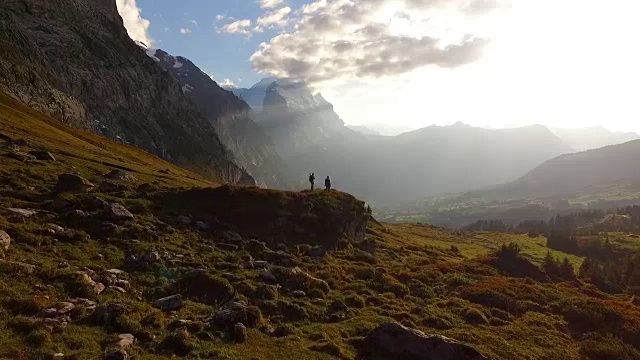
<point>414,63</point>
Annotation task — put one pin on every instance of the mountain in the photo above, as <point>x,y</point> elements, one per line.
<point>388,129</point>
<point>311,137</point>
<point>569,173</point>
<point>254,96</point>
<point>593,137</point>
<point>74,59</point>
<point>230,116</point>
<point>364,130</point>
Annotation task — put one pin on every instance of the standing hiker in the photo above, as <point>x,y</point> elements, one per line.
<point>327,183</point>
<point>312,180</point>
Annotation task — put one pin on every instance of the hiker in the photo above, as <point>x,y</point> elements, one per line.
<point>327,183</point>
<point>312,180</point>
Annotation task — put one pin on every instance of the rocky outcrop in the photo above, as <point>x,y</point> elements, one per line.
<point>232,118</point>
<point>72,183</point>
<point>391,341</point>
<point>73,59</point>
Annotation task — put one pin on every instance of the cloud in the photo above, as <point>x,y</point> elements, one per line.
<point>275,18</point>
<point>228,83</point>
<point>344,39</point>
<point>136,26</point>
<point>241,27</point>
<point>270,4</point>
<point>194,22</point>
<point>185,31</point>
<point>219,17</point>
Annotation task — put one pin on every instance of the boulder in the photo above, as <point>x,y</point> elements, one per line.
<point>235,312</point>
<point>98,203</point>
<point>169,303</point>
<point>25,213</point>
<point>118,212</point>
<point>104,313</point>
<point>117,355</point>
<point>21,156</point>
<point>120,175</point>
<point>267,276</point>
<point>72,183</point>
<point>125,341</point>
<point>107,186</point>
<point>43,155</point>
<point>395,341</point>
<point>5,240</point>
<point>239,333</point>
<point>16,266</point>
<point>55,229</point>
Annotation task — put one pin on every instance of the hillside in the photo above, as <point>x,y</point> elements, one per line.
<point>231,117</point>
<point>144,260</point>
<point>75,61</point>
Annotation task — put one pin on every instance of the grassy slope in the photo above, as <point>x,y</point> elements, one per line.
<point>413,277</point>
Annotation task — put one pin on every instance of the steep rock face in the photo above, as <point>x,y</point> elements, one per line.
<point>230,116</point>
<point>74,60</point>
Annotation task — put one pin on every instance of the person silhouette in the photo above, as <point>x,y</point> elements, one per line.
<point>327,183</point>
<point>312,180</point>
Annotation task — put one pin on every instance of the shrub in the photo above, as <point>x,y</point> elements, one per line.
<point>605,347</point>
<point>205,288</point>
<point>475,316</point>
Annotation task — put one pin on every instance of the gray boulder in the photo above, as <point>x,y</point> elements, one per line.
<point>5,240</point>
<point>169,303</point>
<point>72,183</point>
<point>391,341</point>
<point>20,156</point>
<point>118,212</point>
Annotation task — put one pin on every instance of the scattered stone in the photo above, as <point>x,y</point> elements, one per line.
<point>395,341</point>
<point>256,246</point>
<point>10,145</point>
<point>152,257</point>
<point>43,155</point>
<point>20,156</point>
<point>99,288</point>
<point>231,237</point>
<point>17,266</point>
<point>317,252</point>
<point>169,303</point>
<point>79,213</point>
<point>98,203</point>
<point>201,226</point>
<point>260,264</point>
<point>120,175</point>
<point>98,257</point>
<point>57,356</point>
<point>299,294</point>
<point>117,289</point>
<point>239,333</point>
<point>105,312</point>
<point>5,240</point>
<point>55,325</point>
<point>183,220</point>
<point>267,276</point>
<point>115,272</point>
<point>117,355</point>
<point>55,229</point>
<point>25,213</point>
<point>65,307</point>
<point>73,183</point>
<point>60,204</point>
<point>112,187</point>
<point>118,212</point>
<point>125,341</point>
<point>82,301</point>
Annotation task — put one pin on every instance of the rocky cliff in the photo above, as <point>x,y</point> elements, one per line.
<point>74,60</point>
<point>231,117</point>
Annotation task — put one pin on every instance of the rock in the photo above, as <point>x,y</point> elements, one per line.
<point>117,355</point>
<point>82,301</point>
<point>55,325</point>
<point>260,264</point>
<point>118,212</point>
<point>169,303</point>
<point>98,203</point>
<point>120,175</point>
<point>20,267</point>
<point>117,289</point>
<point>123,284</point>
<point>267,276</point>
<point>61,205</point>
<point>256,246</point>
<point>79,213</point>
<point>112,187</point>
<point>228,247</point>
<point>43,155</point>
<point>202,226</point>
<point>317,252</point>
<point>116,272</point>
<point>231,237</point>
<point>395,341</point>
<point>98,257</point>
<point>25,213</point>
<point>105,312</point>
<point>183,220</point>
<point>98,288</point>
<point>55,229</point>
<point>65,307</point>
<point>239,333</point>
<point>152,257</point>
<point>57,356</point>
<point>125,341</point>
<point>73,183</point>
<point>5,240</point>
<point>234,312</point>
<point>299,294</point>
<point>20,156</point>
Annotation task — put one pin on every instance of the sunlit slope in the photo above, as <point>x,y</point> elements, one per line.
<point>79,151</point>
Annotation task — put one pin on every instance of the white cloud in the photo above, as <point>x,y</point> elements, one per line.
<point>219,17</point>
<point>136,26</point>
<point>275,17</point>
<point>194,22</point>
<point>185,31</point>
<point>228,83</point>
<point>241,27</point>
<point>342,39</point>
<point>270,4</point>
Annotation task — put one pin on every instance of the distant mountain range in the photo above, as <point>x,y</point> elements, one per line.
<point>593,137</point>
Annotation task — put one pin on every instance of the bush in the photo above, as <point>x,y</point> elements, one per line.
<point>205,288</point>
<point>606,347</point>
<point>475,316</point>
